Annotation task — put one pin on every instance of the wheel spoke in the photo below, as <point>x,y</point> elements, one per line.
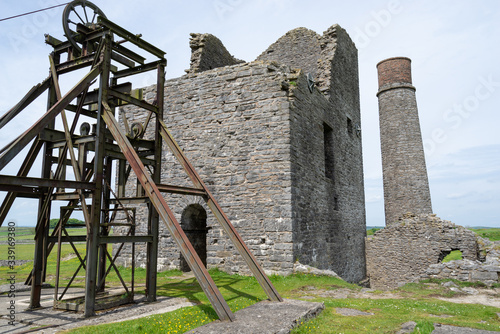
<point>79,16</point>
<point>85,11</point>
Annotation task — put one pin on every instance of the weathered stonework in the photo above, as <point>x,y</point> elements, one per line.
<point>283,159</point>
<point>403,252</point>
<point>208,52</point>
<point>406,186</point>
<point>486,269</point>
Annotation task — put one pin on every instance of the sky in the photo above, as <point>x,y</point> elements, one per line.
<point>454,46</point>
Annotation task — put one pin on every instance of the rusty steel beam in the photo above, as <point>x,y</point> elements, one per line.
<point>139,69</point>
<point>92,97</point>
<point>234,236</point>
<point>153,217</point>
<point>14,148</point>
<point>69,142</point>
<point>93,229</point>
<point>168,217</point>
<point>21,191</point>
<point>122,60</point>
<point>181,190</point>
<point>130,37</point>
<point>23,171</point>
<point>75,64</point>
<point>128,53</point>
<point>133,101</point>
<point>34,92</point>
<point>118,239</point>
<point>39,182</point>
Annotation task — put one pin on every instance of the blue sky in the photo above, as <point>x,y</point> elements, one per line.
<point>454,47</point>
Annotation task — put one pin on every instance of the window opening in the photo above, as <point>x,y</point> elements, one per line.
<point>329,155</point>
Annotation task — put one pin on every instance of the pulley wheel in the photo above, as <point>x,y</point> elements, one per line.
<point>79,12</point>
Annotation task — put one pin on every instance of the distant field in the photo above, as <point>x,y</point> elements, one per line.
<point>25,234</point>
<point>22,233</point>
<point>490,233</point>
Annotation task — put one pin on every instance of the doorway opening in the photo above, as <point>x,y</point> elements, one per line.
<point>194,224</point>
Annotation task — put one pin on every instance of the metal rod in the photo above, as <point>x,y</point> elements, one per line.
<point>251,261</point>
<point>34,92</point>
<point>49,116</point>
<point>187,250</point>
<point>23,171</point>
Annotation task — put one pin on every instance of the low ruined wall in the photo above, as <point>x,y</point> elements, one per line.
<point>465,270</point>
<point>402,253</point>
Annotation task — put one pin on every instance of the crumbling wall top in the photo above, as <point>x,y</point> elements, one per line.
<point>208,52</point>
<point>298,48</point>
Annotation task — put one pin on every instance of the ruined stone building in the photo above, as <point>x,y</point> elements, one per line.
<point>406,186</point>
<point>415,242</point>
<point>278,142</point>
<point>404,252</point>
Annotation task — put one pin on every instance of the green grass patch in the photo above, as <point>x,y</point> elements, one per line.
<point>454,255</point>
<point>489,233</point>
<point>372,231</point>
<point>390,314</point>
<point>23,251</point>
<point>425,289</point>
<point>241,291</point>
<point>418,303</point>
<point>26,252</point>
<point>26,234</point>
<point>21,233</point>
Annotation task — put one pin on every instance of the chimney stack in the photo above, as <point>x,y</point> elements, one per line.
<point>406,186</point>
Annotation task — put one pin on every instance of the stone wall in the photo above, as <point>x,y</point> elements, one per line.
<point>299,48</point>
<point>208,52</point>
<point>327,197</point>
<point>485,270</point>
<point>283,160</point>
<point>233,125</point>
<point>403,252</point>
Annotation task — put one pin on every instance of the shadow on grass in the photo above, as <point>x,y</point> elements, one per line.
<point>231,288</point>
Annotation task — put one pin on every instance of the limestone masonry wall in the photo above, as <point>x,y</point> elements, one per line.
<point>406,251</point>
<point>282,157</point>
<point>208,52</point>
<point>299,48</point>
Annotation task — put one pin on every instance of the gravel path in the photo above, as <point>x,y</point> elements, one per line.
<point>55,321</point>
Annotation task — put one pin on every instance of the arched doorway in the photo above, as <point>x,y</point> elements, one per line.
<point>194,224</point>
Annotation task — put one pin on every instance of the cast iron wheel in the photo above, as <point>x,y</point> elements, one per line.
<point>79,12</point>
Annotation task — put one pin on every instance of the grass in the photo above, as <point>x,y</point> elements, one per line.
<point>454,255</point>
<point>418,301</point>
<point>22,233</point>
<point>490,233</point>
<point>390,314</point>
<point>26,252</point>
<point>26,234</point>
<point>372,230</point>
